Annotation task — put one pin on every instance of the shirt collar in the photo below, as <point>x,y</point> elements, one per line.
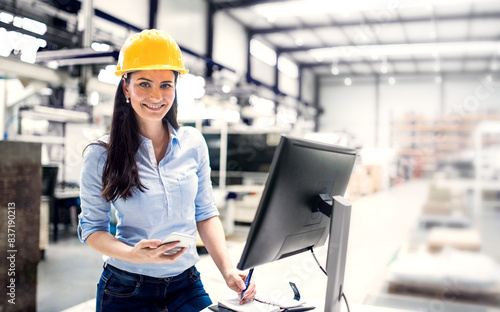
<point>173,135</point>
<point>174,138</point>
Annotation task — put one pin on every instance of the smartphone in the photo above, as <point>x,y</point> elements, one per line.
<point>183,239</point>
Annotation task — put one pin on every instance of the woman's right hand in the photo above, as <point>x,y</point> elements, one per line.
<point>152,251</point>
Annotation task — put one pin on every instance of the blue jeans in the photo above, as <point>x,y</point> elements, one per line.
<point>119,290</point>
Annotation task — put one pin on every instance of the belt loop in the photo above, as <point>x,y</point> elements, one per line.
<point>105,265</point>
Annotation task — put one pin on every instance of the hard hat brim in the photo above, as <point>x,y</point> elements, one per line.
<point>181,71</point>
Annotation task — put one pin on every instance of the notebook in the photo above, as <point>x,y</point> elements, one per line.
<point>262,303</point>
<point>250,306</point>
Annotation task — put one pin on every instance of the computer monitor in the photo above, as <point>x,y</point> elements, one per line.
<point>295,212</point>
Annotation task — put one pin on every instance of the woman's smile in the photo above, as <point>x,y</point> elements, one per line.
<point>154,108</point>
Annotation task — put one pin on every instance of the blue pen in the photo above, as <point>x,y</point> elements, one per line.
<point>249,276</point>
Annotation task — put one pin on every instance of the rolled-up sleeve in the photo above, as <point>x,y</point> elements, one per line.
<point>204,201</point>
<point>95,215</point>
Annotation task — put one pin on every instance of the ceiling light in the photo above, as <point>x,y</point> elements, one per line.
<point>438,79</point>
<point>383,69</point>
<point>30,25</point>
<point>299,42</point>
<point>347,81</point>
<point>494,66</point>
<point>100,47</point>
<point>437,67</point>
<point>392,80</point>
<point>6,17</point>
<point>335,70</point>
<point>226,88</point>
<point>271,19</point>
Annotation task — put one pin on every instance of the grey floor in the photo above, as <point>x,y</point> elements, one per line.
<point>68,275</point>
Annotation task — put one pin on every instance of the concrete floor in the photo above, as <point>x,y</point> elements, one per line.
<point>380,224</point>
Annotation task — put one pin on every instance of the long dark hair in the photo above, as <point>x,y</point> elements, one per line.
<point>120,176</point>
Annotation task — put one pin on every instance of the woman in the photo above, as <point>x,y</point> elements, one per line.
<point>157,176</point>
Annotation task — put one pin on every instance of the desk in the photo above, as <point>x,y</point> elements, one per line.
<point>354,308</point>
<point>61,195</point>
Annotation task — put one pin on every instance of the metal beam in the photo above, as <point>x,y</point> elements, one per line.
<point>210,37</point>
<point>225,5</point>
<point>153,14</point>
<point>307,48</point>
<point>487,15</point>
<point>443,74</point>
<point>406,60</point>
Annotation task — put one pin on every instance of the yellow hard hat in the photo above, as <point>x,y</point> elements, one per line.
<point>148,50</point>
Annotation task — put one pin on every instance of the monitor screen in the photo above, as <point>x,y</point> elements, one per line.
<point>285,223</point>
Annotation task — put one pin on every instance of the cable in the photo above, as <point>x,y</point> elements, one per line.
<point>347,304</point>
<point>343,295</point>
<point>312,251</point>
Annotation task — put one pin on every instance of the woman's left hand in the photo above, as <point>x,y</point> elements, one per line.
<point>236,281</point>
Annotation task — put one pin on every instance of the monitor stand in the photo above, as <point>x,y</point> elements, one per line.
<point>339,211</point>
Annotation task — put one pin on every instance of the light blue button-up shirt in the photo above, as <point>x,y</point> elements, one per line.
<point>179,194</point>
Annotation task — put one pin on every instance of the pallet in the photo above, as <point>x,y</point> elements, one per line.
<point>446,292</point>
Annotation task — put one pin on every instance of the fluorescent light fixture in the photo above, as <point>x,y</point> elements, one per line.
<point>94,98</point>
<point>53,64</point>
<point>348,81</point>
<point>420,49</point>
<point>28,45</point>
<point>262,52</point>
<point>288,67</point>
<point>335,70</point>
<point>30,25</point>
<point>6,17</point>
<point>100,47</point>
<point>226,88</point>
<point>59,114</point>
<point>392,80</point>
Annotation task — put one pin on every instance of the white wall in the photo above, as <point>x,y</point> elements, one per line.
<point>471,95</point>
<point>186,22</point>
<point>352,108</point>
<point>261,71</point>
<point>308,86</point>
<point>230,43</point>
<point>288,85</point>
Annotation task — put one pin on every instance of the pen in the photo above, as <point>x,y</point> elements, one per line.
<point>249,276</point>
